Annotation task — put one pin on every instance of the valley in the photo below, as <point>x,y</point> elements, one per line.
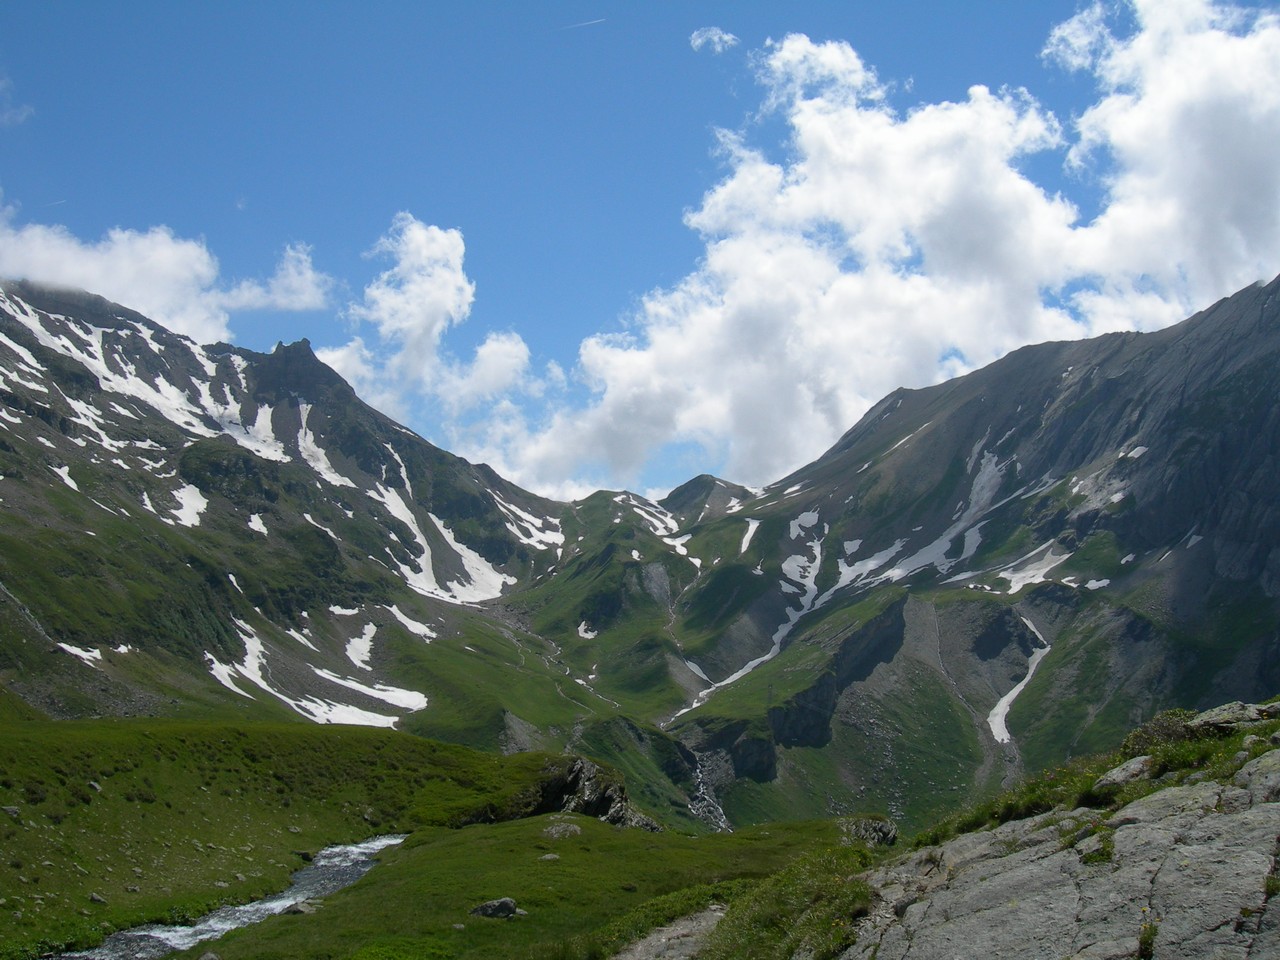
<point>244,615</point>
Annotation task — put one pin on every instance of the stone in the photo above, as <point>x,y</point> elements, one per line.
<point>873,831</point>
<point>97,898</point>
<point>95,786</point>
<point>1229,716</point>
<point>301,908</point>
<point>1138,768</point>
<point>549,857</point>
<point>13,812</point>
<point>1197,858</point>
<point>1261,777</point>
<point>561,831</point>
<point>209,955</point>
<point>502,908</point>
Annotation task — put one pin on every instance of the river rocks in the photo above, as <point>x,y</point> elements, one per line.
<point>1191,861</point>
<point>502,908</point>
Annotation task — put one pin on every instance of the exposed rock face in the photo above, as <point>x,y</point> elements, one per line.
<point>1193,862</point>
<point>873,831</point>
<point>585,787</point>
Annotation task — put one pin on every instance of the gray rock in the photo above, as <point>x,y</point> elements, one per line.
<point>549,857</point>
<point>561,831</point>
<point>97,898</point>
<point>502,908</point>
<point>1231,716</point>
<point>873,831</point>
<point>1261,777</point>
<point>12,811</point>
<point>1197,857</point>
<point>1139,768</point>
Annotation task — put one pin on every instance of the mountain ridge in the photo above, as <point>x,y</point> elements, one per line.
<point>1017,564</point>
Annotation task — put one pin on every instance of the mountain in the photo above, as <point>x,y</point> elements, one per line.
<point>981,577</point>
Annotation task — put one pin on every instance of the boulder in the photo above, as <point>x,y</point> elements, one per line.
<point>1138,768</point>
<point>503,908</point>
<point>873,831</point>
<point>1234,715</point>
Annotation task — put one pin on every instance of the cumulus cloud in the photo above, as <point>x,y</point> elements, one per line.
<point>172,279</point>
<point>718,40</point>
<point>896,248</point>
<point>411,306</point>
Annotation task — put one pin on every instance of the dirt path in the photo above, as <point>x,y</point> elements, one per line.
<point>677,941</point>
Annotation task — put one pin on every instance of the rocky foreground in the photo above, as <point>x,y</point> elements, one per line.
<point>1185,872</point>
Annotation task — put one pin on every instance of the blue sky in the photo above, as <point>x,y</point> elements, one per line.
<point>567,239</point>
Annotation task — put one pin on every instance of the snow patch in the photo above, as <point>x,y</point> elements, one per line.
<point>752,526</point>
<point>487,581</point>
<point>256,524</point>
<point>410,700</point>
<point>313,454</point>
<point>413,626</point>
<point>541,533</point>
<point>1000,712</point>
<point>660,522</point>
<point>585,632</point>
<point>1033,567</point>
<point>320,526</point>
<point>360,649</point>
<point>191,504</point>
<point>65,474</point>
<point>88,656</point>
<point>803,522</point>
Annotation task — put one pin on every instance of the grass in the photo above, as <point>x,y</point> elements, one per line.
<point>583,893</point>
<point>808,909</point>
<point>166,819</point>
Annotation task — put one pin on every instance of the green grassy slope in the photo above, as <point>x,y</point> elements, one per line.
<point>166,819</point>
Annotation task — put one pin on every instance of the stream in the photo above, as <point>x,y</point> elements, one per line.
<point>332,869</point>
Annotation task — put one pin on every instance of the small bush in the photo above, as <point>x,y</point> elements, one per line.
<point>1161,730</point>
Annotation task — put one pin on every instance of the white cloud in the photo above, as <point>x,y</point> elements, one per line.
<point>171,279</point>
<point>718,40</point>
<point>411,306</point>
<point>12,114</point>
<point>893,248</point>
<point>296,285</point>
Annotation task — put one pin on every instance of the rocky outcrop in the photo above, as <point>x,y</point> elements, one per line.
<point>586,787</point>
<point>1186,872</point>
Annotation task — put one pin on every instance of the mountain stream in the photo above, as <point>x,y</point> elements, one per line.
<point>332,869</point>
